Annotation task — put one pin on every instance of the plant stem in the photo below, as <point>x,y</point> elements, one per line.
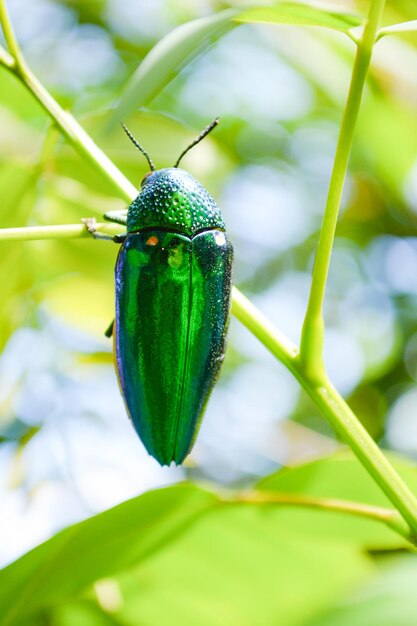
<point>312,338</point>
<point>319,388</point>
<point>347,425</point>
<point>390,517</point>
<point>66,231</point>
<point>10,38</point>
<point>334,408</point>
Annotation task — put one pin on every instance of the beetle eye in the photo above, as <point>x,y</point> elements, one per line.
<point>145,179</point>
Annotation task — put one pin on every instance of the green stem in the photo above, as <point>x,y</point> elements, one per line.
<point>347,425</point>
<point>334,408</point>
<point>312,338</point>
<point>66,231</point>
<point>390,517</point>
<point>13,46</point>
<point>320,390</point>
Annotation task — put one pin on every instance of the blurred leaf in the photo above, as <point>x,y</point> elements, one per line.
<point>343,477</point>
<point>388,599</point>
<point>302,15</point>
<point>102,546</point>
<point>168,57</point>
<point>185,43</point>
<point>18,431</point>
<point>17,271</point>
<point>205,576</point>
<point>96,358</point>
<point>82,614</point>
<point>14,97</point>
<point>239,567</point>
<point>392,152</point>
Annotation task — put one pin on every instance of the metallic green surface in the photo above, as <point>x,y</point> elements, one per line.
<point>172,308</point>
<point>171,198</point>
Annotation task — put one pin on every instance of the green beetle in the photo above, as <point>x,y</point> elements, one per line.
<point>173,286</point>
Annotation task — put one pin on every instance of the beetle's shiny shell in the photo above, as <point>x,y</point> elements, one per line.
<point>171,198</point>
<point>173,286</point>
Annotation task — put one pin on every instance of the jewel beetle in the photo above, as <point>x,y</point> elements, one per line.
<point>173,286</point>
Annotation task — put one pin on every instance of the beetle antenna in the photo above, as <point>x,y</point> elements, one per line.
<point>197,140</point>
<point>139,147</point>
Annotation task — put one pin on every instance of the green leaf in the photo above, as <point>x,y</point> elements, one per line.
<point>185,43</point>
<point>180,556</point>
<point>302,15</point>
<point>238,566</point>
<point>81,614</point>
<point>398,29</point>
<point>344,478</point>
<point>392,152</point>
<point>168,58</point>
<point>104,545</point>
<point>386,600</point>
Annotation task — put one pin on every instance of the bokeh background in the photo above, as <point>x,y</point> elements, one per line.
<point>67,448</point>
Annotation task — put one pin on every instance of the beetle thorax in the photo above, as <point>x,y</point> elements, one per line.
<point>171,198</point>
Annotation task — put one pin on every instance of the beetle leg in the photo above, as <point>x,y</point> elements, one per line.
<point>109,331</point>
<point>120,238</point>
<point>119,217</point>
<point>90,224</point>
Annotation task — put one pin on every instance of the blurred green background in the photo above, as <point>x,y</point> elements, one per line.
<point>67,448</point>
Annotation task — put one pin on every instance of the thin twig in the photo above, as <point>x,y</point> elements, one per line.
<point>10,38</point>
<point>312,339</point>
<point>390,517</point>
<point>62,231</point>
